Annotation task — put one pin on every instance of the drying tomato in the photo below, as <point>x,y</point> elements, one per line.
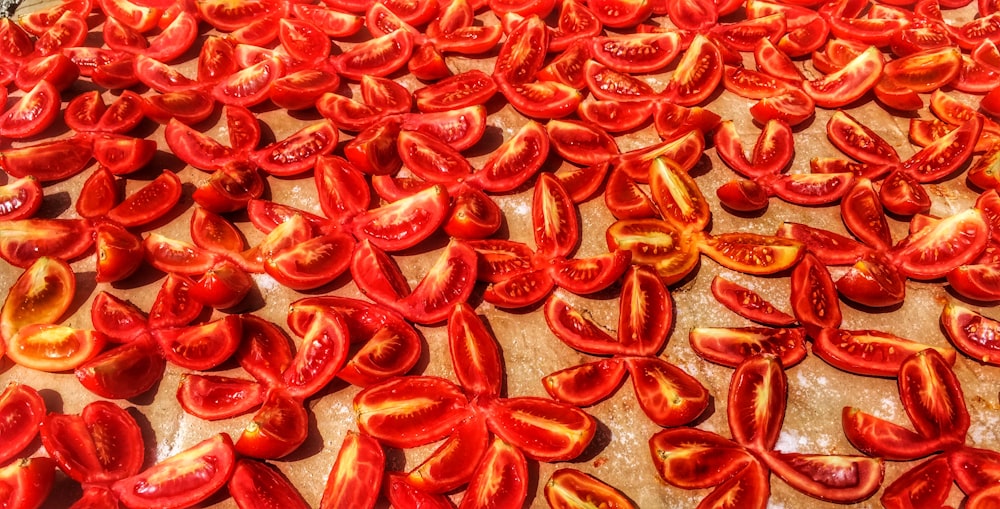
<point>255,484</point>
<point>542,99</point>
<point>356,475</point>
<point>932,397</point>
<point>34,112</point>
<point>666,393</point>
<point>848,84</point>
<point>411,411</point>
<point>102,444</point>
<point>303,40</point>
<point>566,487</point>
<point>183,479</point>
<point>901,194</point>
<point>843,479</point>
<point>974,468</point>
<point>500,478</point>
<point>119,320</point>
<point>868,352</point>
<point>516,161</point>
<point>251,85</point>
<point>731,346</point>
<point>586,384</point>
<point>125,371</point>
<point>213,397</point>
<point>150,203</point>
<point>173,305</point>
<point>21,410</point>
<point>925,485</point>
<point>200,347</point>
<point>461,90</point>
<point>637,53</point>
<point>814,295</point>
<point>380,56</point>
<point>858,141</point>
<point>772,152</point>
<point>53,348</point>
<point>57,69</point>
<point>793,106</point>
<point>41,295</point>
<point>971,332</point>
<point>20,198</point>
<point>946,154</point>
<point>757,394</point>
<point>298,152</point>
<point>26,483</point>
<point>877,437</point>
<point>621,13</point>
<point>24,241</point>
<point>748,304</point>
<point>937,249</point>
<point>223,286</point>
<point>751,253</point>
<point>698,73</point>
<point>277,429</point>
<point>228,17</point>
<point>691,458</point>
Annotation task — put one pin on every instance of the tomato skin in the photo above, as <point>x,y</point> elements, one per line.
<point>980,281</point>
<point>213,397</point>
<point>666,393</point>
<point>200,347</point>
<point>278,428</point>
<point>298,152</point>
<point>748,304</point>
<point>186,478</point>
<point>586,384</point>
<point>228,17</point>
<point>872,281</point>
<point>20,198</point>
<point>836,478</point>
<point>926,485</point>
<point>974,469</point>
<point>356,475</point>
<point>848,84</point>
<point>858,141</point>
<point>380,56</point>
<point>22,409</point>
<point>868,352</point>
<point>151,202</point>
<point>119,320</point>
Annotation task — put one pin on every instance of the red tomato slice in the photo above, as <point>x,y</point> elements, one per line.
<point>24,241</point>
<point>474,352</point>
<point>103,444</point>
<point>971,332</point>
<point>946,154</point>
<point>125,371</point>
<point>356,475</point>
<point>120,321</point>
<point>300,90</point>
<point>461,90</point>
<point>690,458</point>
<point>411,411</point>
<point>621,13</point>
<point>567,486</point>
<point>557,229</point>
<point>848,84</point>
<point>542,99</point>
<point>516,161</point>
<point>748,303</point>
<point>842,479</point>
<point>756,407</point>
<point>580,142</point>
<point>173,305</point>
<point>731,346</point>
<point>864,216</point>
<point>586,384</point>
<point>453,463</point>
<point>33,113</point>
<point>745,35</point>
<point>666,393</point>
<point>303,40</point>
<point>584,276</point>
<point>937,249</point>
<point>200,347</point>
<point>461,128</point>
<point>793,106</point>
<point>228,17</point>
<point>70,30</point>
<point>99,194</point>
<point>858,141</point>
<point>880,438</point>
<point>430,158</point>
<point>320,356</point>
<point>177,256</point>
<point>249,86</point>
<point>334,23</point>
<point>53,348</point>
<point>312,263</point>
<point>610,85</point>
<point>637,53</point>
<point>41,295</point>
<point>277,429</point>
<point>122,155</point>
<point>698,74</point>
<point>197,149</point>
<point>298,152</point>
<point>213,397</point>
<point>187,106</point>
<point>869,352</point>
<point>17,42</point>
<point>150,203</point>
<point>901,194</point>
<point>772,153</point>
<point>814,296</point>
<point>255,484</point>
<point>20,198</point>
<point>22,410</point>
<point>404,223</point>
<point>380,56</point>
<point>540,428</point>
<point>57,69</point>
<point>27,482</point>
<point>266,350</point>
<point>224,286</point>
<point>925,485</point>
<point>751,253</point>
<point>932,397</point>
<point>974,469</point>
<point>449,281</point>
<point>183,479</point>
<point>743,195</point>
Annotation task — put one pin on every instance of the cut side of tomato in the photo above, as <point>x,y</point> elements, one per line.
<point>22,409</point>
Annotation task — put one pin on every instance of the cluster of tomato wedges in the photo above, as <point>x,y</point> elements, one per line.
<point>575,72</point>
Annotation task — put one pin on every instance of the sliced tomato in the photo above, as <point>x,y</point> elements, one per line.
<point>303,40</point>
<point>102,444</point>
<point>57,69</point>
<point>474,352</point>
<point>542,99</point>
<point>756,407</point>
<point>24,241</point>
<point>200,347</point>
<point>873,281</point>
<point>449,281</point>
<point>748,303</point>
<point>411,411</point>
<point>622,53</point>
<point>847,85</point>
<point>657,243</point>
<point>540,428</point>
<point>22,409</point>
<point>33,113</point>
<point>228,17</point>
<point>123,155</point>
<point>356,475</point>
<point>974,469</point>
<point>516,161</point>
<point>880,438</point>
<point>332,22</point>
<point>772,152</point>
<point>461,90</point>
<point>256,484</point>
<point>610,85</point>
<point>691,458</point>
<point>932,397</point>
<point>751,253</point>
<point>301,89</point>
<point>27,482</point>
<point>321,355</point>
<point>731,346</point>
<point>858,141</point>
<point>213,397</point>
<point>403,223</point>
<point>20,198</point>
<point>312,263</point>
<point>380,56</point>
<point>41,295</point>
<point>119,320</point>
<point>868,352</point>
<point>567,486</point>
<point>937,249</point>
<point>793,106</point>
<point>927,484</point>
<point>698,74</point>
<point>971,332</point>
<point>185,478</point>
<point>814,295</point>
<point>150,203</point>
<point>278,428</point>
<point>499,479</point>
<point>864,216</point>
<point>901,194</point>
<point>173,306</point>
<point>446,467</point>
<point>621,13</point>
<point>843,479</point>
<point>69,30</point>
<point>666,393</point>
<point>946,154</point>
<point>586,384</point>
<point>249,86</point>
<point>298,152</point>
<point>53,348</point>
<point>125,371</point>
<point>187,106</point>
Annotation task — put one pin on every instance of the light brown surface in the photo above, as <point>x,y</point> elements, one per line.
<point>619,454</point>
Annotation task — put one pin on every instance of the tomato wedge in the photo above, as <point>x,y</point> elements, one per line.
<point>256,484</point>
<point>125,371</point>
<point>411,411</point>
<point>41,295</point>
<point>20,198</point>
<point>566,487</point>
<point>278,428</point>
<point>53,348</point>
<point>848,84</point>
<point>102,444</point>
<point>731,346</point>
<point>869,352</point>
<point>500,478</point>
<point>971,332</point>
<point>356,474</point>
<point>22,410</point>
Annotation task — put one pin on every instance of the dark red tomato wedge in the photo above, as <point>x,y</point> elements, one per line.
<point>177,256</point>
<point>298,152</point>
<point>200,347</point>
<point>864,216</point>
<point>743,195</point>
<point>123,115</point>
<point>772,152</point>
<point>586,384</point>
<point>453,463</point>
<point>266,350</point>
<point>380,56</point>
<point>842,479</point>
<point>523,53</point>
<point>830,248</point>
<point>28,481</point>
<point>119,252</point>
<point>449,281</point>
<point>971,332</point>
<point>637,53</point>
<point>312,263</point>
<point>902,195</point>
<point>119,320</point>
<point>224,286</point>
<point>869,352</point>
<point>57,69</point>
<point>183,479</point>
<point>814,296</point>
<point>584,276</point>
<point>521,290</point>
<point>189,106</point>
<point>698,74</point>
<point>228,17</point>
<point>33,113</point>
<point>461,128</point>
<point>125,371</point>
<point>41,295</point>
<point>540,428</point>
<point>932,397</point>
<point>542,99</point>
<point>773,61</point>
<point>22,409</point>
<point>102,444</point>
<point>213,397</point>
<point>610,85</point>
<point>474,353</point>
<point>579,142</point>
<point>873,281</point>
<point>374,150</point>
<point>255,484</point>
<point>731,346</point>
<point>748,303</point>
<point>879,438</point>
<point>411,411</point>
<point>582,183</point>
<point>303,40</point>
<point>320,355</point>
<point>197,149</point>
<point>752,84</point>
<point>845,86</point>
<point>567,67</point>
<point>216,59</point>
<point>974,469</point>
<point>516,161</point>
<point>278,428</point>
<point>812,189</point>
<point>461,90</point>
<point>431,158</point>
<point>927,70</point>
<point>926,485</point>
<point>17,42</point>
<point>343,190</point>
<point>858,141</point>
<point>793,106</point>
<point>150,203</point>
<point>69,30</point>
<point>499,479</point>
<point>212,231</point>
<point>748,488</point>
<point>976,281</point>
<point>122,155</point>
<point>26,240</point>
<point>557,229</point>
<point>404,223</point>
<point>678,196</point>
<point>332,22</point>
<point>621,13</point>
<point>356,474</point>
<point>691,458</point>
<point>756,407</point>
<point>946,154</point>
<point>474,215</point>
<point>249,86</point>
<point>20,198</point>
<point>385,95</point>
<point>173,305</point>
<point>567,486</point>
<point>937,249</point>
<point>666,393</point>
<point>616,116</point>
